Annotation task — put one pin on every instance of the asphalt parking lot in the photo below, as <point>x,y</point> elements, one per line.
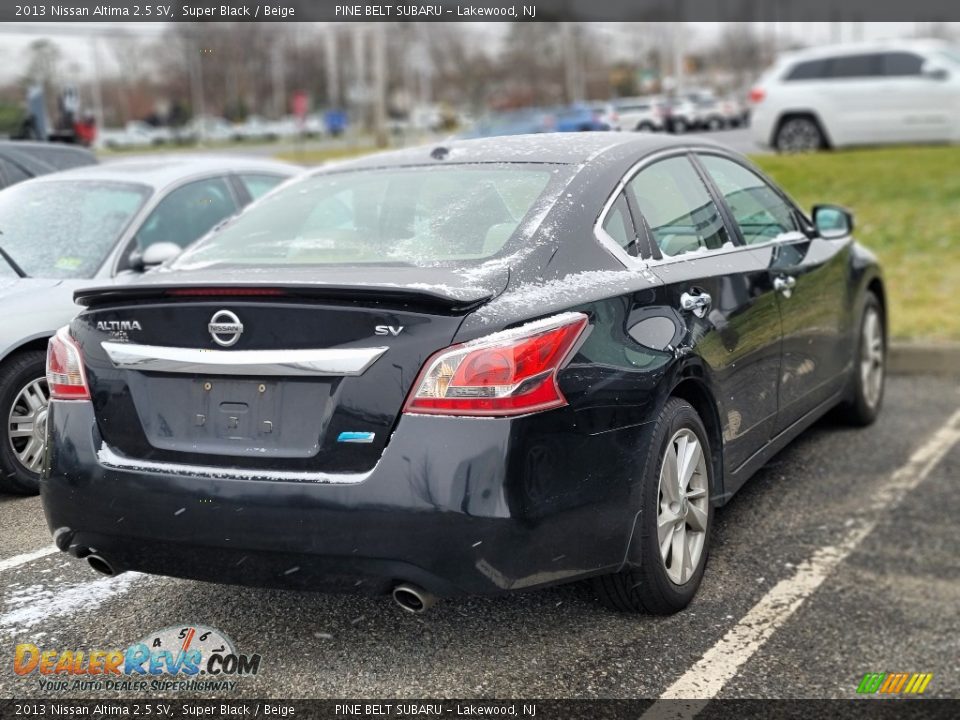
<point>837,559</point>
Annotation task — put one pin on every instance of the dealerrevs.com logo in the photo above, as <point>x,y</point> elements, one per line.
<point>193,658</point>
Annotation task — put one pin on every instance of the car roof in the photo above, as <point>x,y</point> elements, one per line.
<point>158,171</point>
<point>858,48</point>
<point>550,148</point>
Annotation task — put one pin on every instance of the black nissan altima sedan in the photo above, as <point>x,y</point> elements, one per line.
<point>485,366</point>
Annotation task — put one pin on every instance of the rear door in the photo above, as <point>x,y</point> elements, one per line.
<point>723,295</point>
<point>863,110</point>
<point>809,276</point>
<point>926,107</point>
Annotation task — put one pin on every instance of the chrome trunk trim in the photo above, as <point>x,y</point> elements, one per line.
<point>198,361</point>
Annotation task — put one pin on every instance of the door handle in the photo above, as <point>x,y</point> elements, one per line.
<point>698,303</point>
<point>784,284</point>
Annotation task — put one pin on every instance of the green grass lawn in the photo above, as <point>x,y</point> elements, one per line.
<point>907,206</point>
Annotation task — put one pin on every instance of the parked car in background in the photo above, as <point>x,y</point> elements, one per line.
<point>642,113</point>
<point>21,160</point>
<point>607,114</point>
<point>525,121</point>
<point>579,117</point>
<point>210,129</point>
<point>98,224</point>
<point>525,361</point>
<point>256,129</point>
<point>683,114</point>
<point>710,114</point>
<point>897,91</point>
<point>734,112</point>
<point>135,133</point>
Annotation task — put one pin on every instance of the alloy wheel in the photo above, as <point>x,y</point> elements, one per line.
<point>871,358</point>
<point>799,135</point>
<point>27,424</point>
<point>682,510</point>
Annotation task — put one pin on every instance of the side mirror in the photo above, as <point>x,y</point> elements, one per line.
<point>159,253</point>
<point>832,222</point>
<point>154,255</point>
<point>932,71</point>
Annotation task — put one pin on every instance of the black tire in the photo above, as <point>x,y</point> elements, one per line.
<point>647,587</point>
<point>15,374</point>
<point>799,134</point>
<point>864,405</point>
<point>678,126</point>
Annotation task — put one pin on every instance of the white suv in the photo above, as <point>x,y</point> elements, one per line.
<point>642,113</point>
<point>862,94</point>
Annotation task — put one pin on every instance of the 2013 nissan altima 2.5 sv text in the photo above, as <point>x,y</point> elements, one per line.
<point>486,366</point>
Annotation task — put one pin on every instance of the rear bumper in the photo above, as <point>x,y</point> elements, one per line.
<point>455,505</point>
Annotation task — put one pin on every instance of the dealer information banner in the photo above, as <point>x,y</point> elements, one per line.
<point>476,11</point>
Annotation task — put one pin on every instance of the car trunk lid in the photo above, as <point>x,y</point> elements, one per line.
<point>299,374</point>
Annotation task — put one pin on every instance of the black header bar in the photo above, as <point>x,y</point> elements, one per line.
<point>480,11</point>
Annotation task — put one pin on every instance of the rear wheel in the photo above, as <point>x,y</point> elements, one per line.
<point>24,399</point>
<point>799,134</point>
<point>675,519</point>
<point>869,371</point>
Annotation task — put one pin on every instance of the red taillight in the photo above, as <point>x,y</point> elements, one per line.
<point>757,94</point>
<point>508,373</point>
<point>66,377</point>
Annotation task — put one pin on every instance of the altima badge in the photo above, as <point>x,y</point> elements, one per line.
<point>225,328</point>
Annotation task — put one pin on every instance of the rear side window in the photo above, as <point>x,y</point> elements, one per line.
<point>856,66</point>
<point>901,64</point>
<point>809,70</point>
<point>619,226</point>
<point>679,211</point>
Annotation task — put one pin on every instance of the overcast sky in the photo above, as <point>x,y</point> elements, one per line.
<point>74,39</point>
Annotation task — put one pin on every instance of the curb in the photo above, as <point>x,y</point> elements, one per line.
<point>920,358</point>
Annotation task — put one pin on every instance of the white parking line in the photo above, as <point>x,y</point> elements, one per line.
<point>35,604</point>
<point>719,664</point>
<point>18,560</point>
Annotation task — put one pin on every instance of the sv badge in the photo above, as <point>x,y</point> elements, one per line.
<point>393,330</point>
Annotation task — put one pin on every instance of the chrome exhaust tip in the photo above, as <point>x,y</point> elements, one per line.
<point>102,566</point>
<point>412,598</point>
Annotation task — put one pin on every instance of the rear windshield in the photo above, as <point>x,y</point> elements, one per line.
<point>450,215</point>
<point>65,229</point>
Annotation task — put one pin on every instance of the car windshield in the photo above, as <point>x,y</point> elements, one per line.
<point>65,229</point>
<point>453,215</point>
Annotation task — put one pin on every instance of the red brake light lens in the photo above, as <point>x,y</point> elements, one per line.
<point>66,377</point>
<point>757,94</point>
<point>508,373</point>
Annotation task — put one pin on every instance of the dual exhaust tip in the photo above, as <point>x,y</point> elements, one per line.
<point>413,598</point>
<point>410,597</point>
<point>102,565</point>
